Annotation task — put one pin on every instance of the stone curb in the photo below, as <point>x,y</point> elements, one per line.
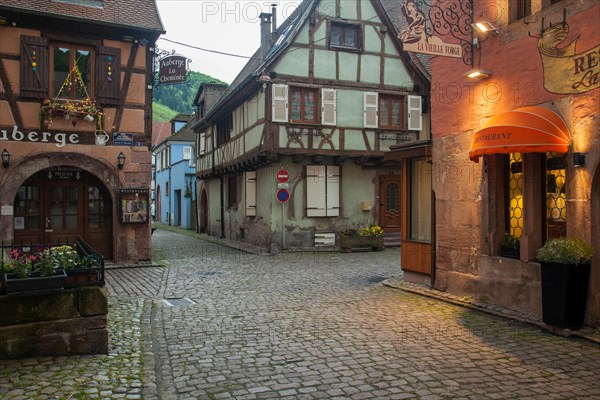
<point>586,333</point>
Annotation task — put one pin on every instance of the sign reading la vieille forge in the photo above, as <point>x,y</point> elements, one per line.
<point>172,69</point>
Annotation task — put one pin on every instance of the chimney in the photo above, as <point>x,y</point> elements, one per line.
<point>265,34</point>
<point>274,29</point>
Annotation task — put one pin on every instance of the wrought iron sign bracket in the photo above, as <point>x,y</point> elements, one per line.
<point>451,17</point>
<point>159,55</point>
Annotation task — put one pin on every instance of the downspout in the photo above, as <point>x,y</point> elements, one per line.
<point>222,208</point>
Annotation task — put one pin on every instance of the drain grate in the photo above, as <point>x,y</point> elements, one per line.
<point>184,301</point>
<point>209,273</point>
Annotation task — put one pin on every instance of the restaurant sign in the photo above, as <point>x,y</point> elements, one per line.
<point>565,70</point>
<point>60,139</point>
<point>172,69</point>
<point>417,38</point>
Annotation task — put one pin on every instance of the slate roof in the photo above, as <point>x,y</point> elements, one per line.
<point>141,14</point>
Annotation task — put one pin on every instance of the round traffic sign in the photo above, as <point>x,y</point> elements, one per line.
<point>282,175</point>
<point>283,195</point>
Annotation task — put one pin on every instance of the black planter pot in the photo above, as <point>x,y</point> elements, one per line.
<point>564,294</point>
<point>510,252</point>
<point>34,283</point>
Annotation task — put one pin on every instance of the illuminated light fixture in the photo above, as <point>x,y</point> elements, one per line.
<point>578,159</point>
<point>484,26</point>
<point>5,158</point>
<point>478,74</point>
<point>121,162</point>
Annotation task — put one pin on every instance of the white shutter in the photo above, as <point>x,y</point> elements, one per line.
<point>333,191</point>
<point>187,153</point>
<point>202,144</point>
<point>371,109</point>
<point>315,191</point>
<point>329,106</point>
<point>280,103</point>
<point>415,113</point>
<point>250,193</point>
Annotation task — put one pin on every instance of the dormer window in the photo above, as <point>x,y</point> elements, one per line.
<point>345,36</point>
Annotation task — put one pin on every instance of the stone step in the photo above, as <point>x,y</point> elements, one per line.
<point>392,239</point>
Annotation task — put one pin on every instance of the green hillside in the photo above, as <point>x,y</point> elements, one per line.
<point>170,100</point>
<point>161,113</point>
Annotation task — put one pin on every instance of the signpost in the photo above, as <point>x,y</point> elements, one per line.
<point>283,196</point>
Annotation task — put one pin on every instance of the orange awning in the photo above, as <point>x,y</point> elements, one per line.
<point>524,130</point>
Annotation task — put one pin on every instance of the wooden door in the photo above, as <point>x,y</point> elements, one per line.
<point>390,191</point>
<point>62,218</point>
<point>203,212</point>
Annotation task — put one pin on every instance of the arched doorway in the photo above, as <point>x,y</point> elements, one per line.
<point>59,203</point>
<point>203,212</point>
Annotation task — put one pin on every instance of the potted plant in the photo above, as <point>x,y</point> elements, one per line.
<point>566,265</point>
<point>32,272</point>
<point>366,238</point>
<point>511,246</point>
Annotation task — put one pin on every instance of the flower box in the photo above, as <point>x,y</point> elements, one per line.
<point>358,243</point>
<point>83,277</point>
<point>34,282</point>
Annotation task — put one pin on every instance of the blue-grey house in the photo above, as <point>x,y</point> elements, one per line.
<point>175,193</point>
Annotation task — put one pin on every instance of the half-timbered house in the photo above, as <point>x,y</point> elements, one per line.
<point>75,122</point>
<point>323,98</point>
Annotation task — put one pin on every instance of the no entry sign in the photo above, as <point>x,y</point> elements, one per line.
<point>282,175</point>
<point>283,195</point>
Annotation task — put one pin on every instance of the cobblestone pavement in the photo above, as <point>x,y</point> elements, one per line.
<point>217,323</point>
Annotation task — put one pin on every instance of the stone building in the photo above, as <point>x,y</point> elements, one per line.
<point>75,123</point>
<point>540,66</point>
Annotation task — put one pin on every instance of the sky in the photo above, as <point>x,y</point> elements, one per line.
<point>229,26</point>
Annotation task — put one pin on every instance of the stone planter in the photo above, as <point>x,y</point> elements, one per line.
<point>349,244</point>
<point>510,252</point>
<point>34,283</point>
<point>564,294</point>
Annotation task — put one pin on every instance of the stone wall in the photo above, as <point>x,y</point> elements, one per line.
<point>54,324</point>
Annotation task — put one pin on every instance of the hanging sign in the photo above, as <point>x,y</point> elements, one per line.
<point>415,37</point>
<point>172,69</point>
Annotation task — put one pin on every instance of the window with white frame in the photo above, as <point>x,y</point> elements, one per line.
<point>322,191</point>
<point>392,111</point>
<point>187,153</point>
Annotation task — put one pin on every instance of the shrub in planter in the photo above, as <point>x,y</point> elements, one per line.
<point>565,277</point>
<point>511,246</point>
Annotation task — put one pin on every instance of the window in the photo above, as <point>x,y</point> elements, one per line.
<point>420,200</point>
<point>201,144</point>
<point>27,207</point>
<point>556,200</point>
<point>232,192</point>
<point>187,153</point>
<point>518,9</point>
<point>322,191</point>
<point>99,208</point>
<point>303,105</point>
<point>224,128</point>
<point>72,68</point>
<point>390,112</point>
<point>250,193</point>
<point>345,36</point>
<point>514,210</point>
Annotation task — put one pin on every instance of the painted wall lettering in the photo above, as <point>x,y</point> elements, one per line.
<point>60,138</point>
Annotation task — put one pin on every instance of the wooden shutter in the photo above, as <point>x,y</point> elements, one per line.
<point>108,75</point>
<point>333,190</point>
<point>202,144</point>
<point>371,109</point>
<point>415,114</point>
<point>316,205</point>
<point>280,103</point>
<point>250,193</point>
<point>35,79</point>
<point>187,153</point>
<point>329,106</point>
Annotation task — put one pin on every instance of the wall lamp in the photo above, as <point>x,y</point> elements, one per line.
<point>578,159</point>
<point>484,27</point>
<point>121,158</point>
<point>478,74</point>
<point>5,158</point>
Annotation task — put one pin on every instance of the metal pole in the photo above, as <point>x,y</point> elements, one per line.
<point>283,223</point>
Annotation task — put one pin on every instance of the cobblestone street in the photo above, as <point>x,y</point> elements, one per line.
<point>219,323</point>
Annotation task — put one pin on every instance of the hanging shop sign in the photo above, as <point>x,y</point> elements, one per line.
<point>419,38</point>
<point>172,69</point>
<point>565,70</point>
